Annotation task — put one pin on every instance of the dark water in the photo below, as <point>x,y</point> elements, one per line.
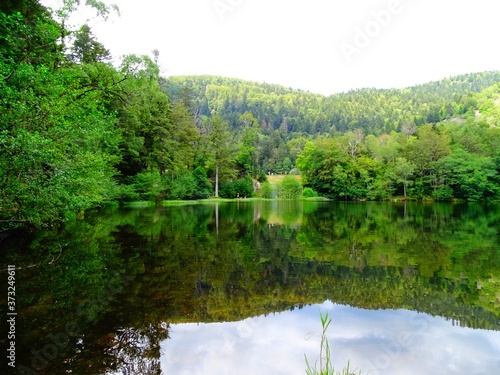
<point>239,287</point>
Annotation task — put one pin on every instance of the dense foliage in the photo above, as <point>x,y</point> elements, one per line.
<point>77,132</point>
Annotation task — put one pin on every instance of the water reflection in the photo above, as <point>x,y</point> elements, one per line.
<point>374,341</point>
<point>97,294</point>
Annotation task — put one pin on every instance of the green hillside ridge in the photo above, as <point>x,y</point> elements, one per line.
<point>373,110</point>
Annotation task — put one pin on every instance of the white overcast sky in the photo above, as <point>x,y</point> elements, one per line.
<point>323,46</point>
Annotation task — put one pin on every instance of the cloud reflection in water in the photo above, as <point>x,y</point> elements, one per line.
<point>374,341</point>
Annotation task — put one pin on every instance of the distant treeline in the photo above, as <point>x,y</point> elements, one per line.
<point>293,111</point>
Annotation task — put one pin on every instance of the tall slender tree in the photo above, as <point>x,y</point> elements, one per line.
<point>221,149</point>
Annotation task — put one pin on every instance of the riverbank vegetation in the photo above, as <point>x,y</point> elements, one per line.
<point>79,129</point>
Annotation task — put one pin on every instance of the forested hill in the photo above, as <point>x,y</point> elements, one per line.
<point>375,111</point>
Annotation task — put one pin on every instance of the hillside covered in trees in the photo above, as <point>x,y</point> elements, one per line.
<point>294,111</point>
<point>78,132</point>
<point>437,140</point>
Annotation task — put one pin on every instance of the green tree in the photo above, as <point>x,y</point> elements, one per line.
<point>430,146</point>
<point>220,149</point>
<point>185,137</point>
<point>86,49</point>
<point>469,176</point>
<point>203,186</point>
<point>289,188</point>
<point>58,138</point>
<point>309,161</point>
<point>240,188</point>
<point>183,186</point>
<point>155,134</point>
<point>401,173</point>
<point>149,185</point>
<point>266,190</point>
<point>247,151</point>
<point>101,8</point>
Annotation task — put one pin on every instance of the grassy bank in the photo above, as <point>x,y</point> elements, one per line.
<point>277,178</point>
<point>142,204</point>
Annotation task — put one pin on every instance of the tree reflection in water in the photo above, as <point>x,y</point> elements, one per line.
<point>121,274</point>
<point>137,351</point>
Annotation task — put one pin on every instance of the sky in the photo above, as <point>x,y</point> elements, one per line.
<point>389,342</point>
<point>322,46</point>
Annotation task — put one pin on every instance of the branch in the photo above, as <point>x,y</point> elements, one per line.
<point>39,264</point>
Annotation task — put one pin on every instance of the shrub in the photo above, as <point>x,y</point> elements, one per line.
<point>125,193</point>
<point>260,176</point>
<point>309,193</point>
<point>182,186</point>
<point>266,190</point>
<point>237,188</point>
<point>443,193</point>
<point>289,188</point>
<point>149,185</point>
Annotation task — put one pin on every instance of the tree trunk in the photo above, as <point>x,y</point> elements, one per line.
<point>217,179</point>
<point>217,219</point>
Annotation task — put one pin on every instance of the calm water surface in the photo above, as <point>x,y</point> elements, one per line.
<point>239,287</point>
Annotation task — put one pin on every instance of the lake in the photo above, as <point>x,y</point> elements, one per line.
<point>239,287</point>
